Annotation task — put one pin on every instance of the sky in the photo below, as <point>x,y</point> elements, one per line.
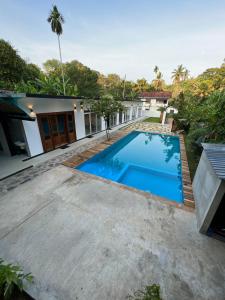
<point>121,36</point>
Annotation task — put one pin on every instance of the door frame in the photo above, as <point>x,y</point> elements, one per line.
<point>49,114</point>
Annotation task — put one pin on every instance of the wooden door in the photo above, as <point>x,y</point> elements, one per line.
<point>71,127</point>
<point>56,129</point>
<point>46,135</point>
<point>62,129</point>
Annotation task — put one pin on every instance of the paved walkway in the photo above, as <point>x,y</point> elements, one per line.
<point>83,238</point>
<point>152,127</point>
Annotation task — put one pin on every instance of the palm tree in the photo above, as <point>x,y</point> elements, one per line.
<point>56,20</point>
<point>186,74</point>
<point>156,70</point>
<point>178,74</point>
<point>158,83</point>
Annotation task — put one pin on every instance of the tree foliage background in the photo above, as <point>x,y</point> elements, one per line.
<point>200,100</point>
<point>80,80</point>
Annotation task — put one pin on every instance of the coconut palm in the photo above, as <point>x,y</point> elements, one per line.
<point>186,74</point>
<point>56,20</point>
<point>156,69</point>
<point>158,83</point>
<point>178,74</point>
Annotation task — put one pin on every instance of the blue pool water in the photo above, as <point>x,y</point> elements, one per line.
<point>146,161</point>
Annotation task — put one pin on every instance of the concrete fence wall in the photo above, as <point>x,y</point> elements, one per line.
<point>208,190</point>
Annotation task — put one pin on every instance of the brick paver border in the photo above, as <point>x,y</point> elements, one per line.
<point>76,160</point>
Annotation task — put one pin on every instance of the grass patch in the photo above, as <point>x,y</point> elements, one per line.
<point>152,120</point>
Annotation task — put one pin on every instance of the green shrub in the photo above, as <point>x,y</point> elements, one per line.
<point>197,136</point>
<point>12,276</point>
<point>150,292</point>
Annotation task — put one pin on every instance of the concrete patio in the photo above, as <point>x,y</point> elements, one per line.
<point>83,238</point>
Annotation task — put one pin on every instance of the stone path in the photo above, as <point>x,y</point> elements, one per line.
<point>153,127</point>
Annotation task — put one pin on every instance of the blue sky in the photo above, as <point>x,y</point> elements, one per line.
<point>121,36</point>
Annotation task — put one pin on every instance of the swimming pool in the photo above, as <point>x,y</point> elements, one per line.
<point>147,161</point>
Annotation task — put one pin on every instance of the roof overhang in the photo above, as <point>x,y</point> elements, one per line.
<point>10,108</point>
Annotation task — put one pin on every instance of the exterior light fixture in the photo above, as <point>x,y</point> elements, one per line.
<point>75,107</point>
<point>32,113</point>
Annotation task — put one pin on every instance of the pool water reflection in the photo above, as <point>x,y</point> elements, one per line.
<point>146,161</point>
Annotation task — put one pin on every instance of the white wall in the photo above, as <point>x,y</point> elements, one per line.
<point>153,112</point>
<point>33,137</point>
<point>79,121</point>
<point>47,105</point>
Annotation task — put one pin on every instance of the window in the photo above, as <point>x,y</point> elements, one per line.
<point>120,117</point>
<point>70,123</point>
<point>93,123</point>
<point>127,115</point>
<point>99,123</point>
<point>134,113</point>
<point>61,123</point>
<point>87,123</point>
<point>139,112</point>
<point>45,127</point>
<point>54,126</point>
<point>112,120</point>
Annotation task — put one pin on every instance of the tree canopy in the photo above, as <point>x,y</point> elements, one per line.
<point>105,107</point>
<point>13,68</point>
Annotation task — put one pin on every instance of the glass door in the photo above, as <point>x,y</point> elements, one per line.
<point>93,123</point>
<point>120,117</point>
<point>87,123</point>
<point>71,127</point>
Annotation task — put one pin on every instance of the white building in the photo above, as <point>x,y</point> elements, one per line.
<point>154,100</point>
<point>34,124</point>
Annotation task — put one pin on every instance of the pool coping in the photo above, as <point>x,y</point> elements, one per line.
<point>77,159</point>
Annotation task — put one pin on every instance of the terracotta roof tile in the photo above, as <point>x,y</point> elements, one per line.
<point>155,95</point>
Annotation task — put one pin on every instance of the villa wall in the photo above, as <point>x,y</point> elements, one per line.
<point>48,105</point>
<point>54,105</point>
<point>33,138</point>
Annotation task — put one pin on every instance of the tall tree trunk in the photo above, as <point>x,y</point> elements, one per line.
<point>124,86</point>
<point>60,55</point>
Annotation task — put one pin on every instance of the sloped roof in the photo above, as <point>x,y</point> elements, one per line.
<point>216,155</point>
<point>162,95</point>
